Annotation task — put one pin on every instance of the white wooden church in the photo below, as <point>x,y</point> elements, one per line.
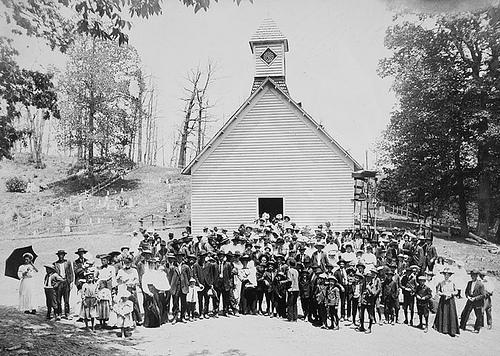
<point>271,156</point>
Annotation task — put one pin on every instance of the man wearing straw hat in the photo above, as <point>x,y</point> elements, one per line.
<point>475,294</point>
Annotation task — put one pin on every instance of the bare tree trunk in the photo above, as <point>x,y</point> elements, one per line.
<point>185,130</point>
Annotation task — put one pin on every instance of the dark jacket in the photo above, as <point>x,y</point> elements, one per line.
<point>179,281</point>
<point>478,294</point>
<point>69,274</point>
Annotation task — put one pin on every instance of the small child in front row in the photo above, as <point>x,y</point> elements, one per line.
<point>191,298</point>
<point>50,283</point>
<point>423,295</point>
<point>332,301</point>
<point>88,310</point>
<point>123,308</point>
<point>320,296</point>
<point>103,304</point>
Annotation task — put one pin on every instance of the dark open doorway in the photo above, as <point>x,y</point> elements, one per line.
<point>272,206</point>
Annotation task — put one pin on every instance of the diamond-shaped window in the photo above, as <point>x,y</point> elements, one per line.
<point>268,56</point>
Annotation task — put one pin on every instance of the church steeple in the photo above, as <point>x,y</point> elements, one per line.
<point>268,46</point>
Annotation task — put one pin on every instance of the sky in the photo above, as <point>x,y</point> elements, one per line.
<point>335,48</point>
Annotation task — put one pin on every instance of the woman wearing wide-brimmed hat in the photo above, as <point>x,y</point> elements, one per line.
<point>446,320</point>
<point>27,287</point>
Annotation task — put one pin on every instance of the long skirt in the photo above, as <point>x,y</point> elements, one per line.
<point>152,313</point>
<point>103,309</point>
<point>446,321</point>
<point>26,297</point>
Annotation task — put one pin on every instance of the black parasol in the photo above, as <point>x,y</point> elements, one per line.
<point>16,259</point>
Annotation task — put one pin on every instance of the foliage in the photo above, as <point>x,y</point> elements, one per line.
<point>24,93</point>
<point>16,185</point>
<point>443,138</point>
<point>97,107</point>
<point>58,21</point>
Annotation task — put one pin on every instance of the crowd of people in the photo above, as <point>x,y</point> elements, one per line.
<point>356,278</point>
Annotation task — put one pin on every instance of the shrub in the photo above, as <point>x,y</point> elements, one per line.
<point>16,185</point>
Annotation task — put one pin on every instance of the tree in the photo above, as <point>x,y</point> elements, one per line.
<point>195,113</point>
<point>58,21</point>
<point>97,108</point>
<point>444,134</point>
<point>25,93</point>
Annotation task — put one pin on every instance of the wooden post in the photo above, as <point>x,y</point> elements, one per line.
<point>169,208</point>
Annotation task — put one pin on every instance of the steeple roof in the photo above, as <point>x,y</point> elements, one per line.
<point>268,31</point>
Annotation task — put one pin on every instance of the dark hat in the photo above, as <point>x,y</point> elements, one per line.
<point>81,250</point>
<point>332,277</point>
<point>146,252</point>
<point>163,243</point>
<point>229,254</point>
<point>191,256</point>
<point>237,253</point>
<point>170,255</point>
<point>48,266</point>
<point>245,257</point>
<point>202,253</point>
<point>220,252</point>
<point>280,255</point>
<point>272,263</point>
<point>102,256</point>
<point>319,243</point>
<point>302,248</point>
<point>341,261</point>
<point>61,252</point>
<point>114,253</point>
<point>474,271</point>
<point>125,248</point>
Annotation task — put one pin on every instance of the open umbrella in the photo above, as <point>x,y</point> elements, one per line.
<point>16,259</point>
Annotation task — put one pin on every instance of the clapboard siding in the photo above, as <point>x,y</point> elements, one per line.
<point>276,68</point>
<point>271,151</point>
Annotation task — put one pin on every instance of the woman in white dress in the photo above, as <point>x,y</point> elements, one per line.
<point>27,287</point>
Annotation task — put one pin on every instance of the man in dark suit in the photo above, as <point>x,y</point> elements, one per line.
<point>430,254</point>
<point>199,276</point>
<point>65,269</point>
<point>210,275</point>
<point>227,283</point>
<point>179,287</point>
<point>341,276</point>
<point>319,258</point>
<point>475,294</point>
<point>302,257</point>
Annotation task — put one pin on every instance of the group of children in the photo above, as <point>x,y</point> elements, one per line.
<point>97,301</point>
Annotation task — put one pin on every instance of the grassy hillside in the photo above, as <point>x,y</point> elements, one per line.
<point>146,190</point>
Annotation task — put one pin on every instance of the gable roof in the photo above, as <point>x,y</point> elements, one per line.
<point>218,137</point>
<point>268,31</point>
